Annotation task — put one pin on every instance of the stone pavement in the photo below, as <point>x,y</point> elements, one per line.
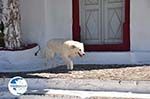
<point>79,89</point>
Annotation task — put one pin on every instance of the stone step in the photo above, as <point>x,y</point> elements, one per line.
<point>82,88</point>
<point>76,94</point>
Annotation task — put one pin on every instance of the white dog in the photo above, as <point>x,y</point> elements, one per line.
<point>66,48</point>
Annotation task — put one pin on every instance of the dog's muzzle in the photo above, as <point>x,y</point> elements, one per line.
<point>81,55</point>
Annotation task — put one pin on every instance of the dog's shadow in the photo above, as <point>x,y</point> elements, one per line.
<point>63,69</point>
<point>88,67</point>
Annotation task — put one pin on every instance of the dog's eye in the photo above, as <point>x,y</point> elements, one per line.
<point>79,49</point>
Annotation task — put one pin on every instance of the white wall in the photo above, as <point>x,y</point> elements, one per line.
<point>140,25</point>
<point>46,19</point>
<point>33,24</point>
<point>59,19</point>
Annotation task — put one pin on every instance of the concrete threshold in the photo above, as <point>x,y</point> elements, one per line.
<point>91,85</point>
<point>90,94</point>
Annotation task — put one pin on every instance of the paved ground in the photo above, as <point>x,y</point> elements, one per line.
<point>65,97</point>
<point>102,72</point>
<point>58,89</point>
<point>7,95</point>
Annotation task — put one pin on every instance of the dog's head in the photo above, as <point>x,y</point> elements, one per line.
<point>78,48</point>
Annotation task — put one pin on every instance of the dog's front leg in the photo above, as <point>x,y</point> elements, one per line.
<point>68,62</point>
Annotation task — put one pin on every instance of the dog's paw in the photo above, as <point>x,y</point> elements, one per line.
<point>70,68</point>
<point>70,72</point>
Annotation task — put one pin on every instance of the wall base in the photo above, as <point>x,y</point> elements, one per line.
<point>114,58</point>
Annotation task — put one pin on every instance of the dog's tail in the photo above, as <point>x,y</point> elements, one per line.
<point>36,53</point>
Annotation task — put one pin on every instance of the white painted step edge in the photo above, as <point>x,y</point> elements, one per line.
<point>88,94</point>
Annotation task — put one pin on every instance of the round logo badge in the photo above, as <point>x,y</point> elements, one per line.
<point>17,86</point>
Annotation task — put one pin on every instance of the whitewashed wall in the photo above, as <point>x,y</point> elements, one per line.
<point>59,19</point>
<point>140,31</point>
<point>46,19</point>
<point>140,25</point>
<point>33,20</point>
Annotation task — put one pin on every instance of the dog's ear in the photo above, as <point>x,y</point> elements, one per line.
<point>73,46</point>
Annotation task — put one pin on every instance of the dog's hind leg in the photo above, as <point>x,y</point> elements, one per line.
<point>49,55</point>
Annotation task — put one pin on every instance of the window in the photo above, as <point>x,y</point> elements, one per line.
<point>102,25</point>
